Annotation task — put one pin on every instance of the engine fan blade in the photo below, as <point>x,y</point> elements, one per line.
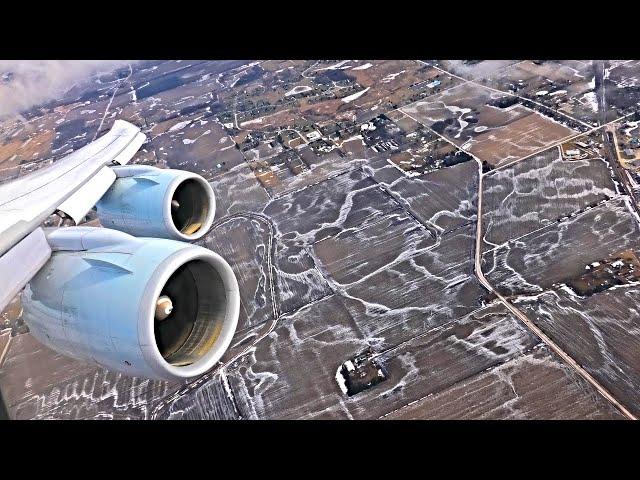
<point>164,307</point>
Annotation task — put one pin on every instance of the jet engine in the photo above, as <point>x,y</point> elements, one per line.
<point>154,202</point>
<point>148,307</point>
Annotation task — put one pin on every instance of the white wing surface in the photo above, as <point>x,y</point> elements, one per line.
<point>26,202</point>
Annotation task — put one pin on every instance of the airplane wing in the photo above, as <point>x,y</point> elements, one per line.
<point>71,185</point>
<point>132,296</point>
<point>26,202</point>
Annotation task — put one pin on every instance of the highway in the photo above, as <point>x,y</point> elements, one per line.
<point>612,154</point>
<point>106,110</point>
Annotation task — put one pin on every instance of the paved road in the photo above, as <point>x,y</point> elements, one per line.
<point>528,323</point>
<point>612,151</point>
<point>115,90</point>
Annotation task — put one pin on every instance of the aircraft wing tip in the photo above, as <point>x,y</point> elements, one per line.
<point>122,127</point>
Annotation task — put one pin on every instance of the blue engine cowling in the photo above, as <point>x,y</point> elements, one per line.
<point>153,202</point>
<point>100,298</point>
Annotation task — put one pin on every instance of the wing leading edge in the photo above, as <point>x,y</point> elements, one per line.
<point>66,185</point>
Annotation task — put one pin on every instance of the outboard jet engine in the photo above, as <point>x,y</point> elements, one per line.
<point>154,202</point>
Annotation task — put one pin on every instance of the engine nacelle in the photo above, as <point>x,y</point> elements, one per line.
<point>153,202</point>
<point>147,307</point>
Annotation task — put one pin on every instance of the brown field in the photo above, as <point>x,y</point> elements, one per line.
<point>573,71</point>
<point>354,147</point>
<point>476,71</point>
<point>493,117</point>
<point>275,65</point>
<point>40,383</point>
<point>555,70</point>
<point>296,142</point>
<point>326,110</point>
<point>11,312</point>
<point>401,159</point>
<point>573,74</point>
<point>535,385</point>
<point>512,133</point>
<point>389,85</point>
<point>590,152</point>
<point>264,175</point>
<point>25,150</point>
<point>438,107</point>
<point>9,153</point>
<point>387,77</point>
<point>390,82</point>
<point>161,128</point>
<point>518,139</point>
<point>240,137</point>
<point>405,122</point>
<point>9,127</point>
<point>374,76</point>
<point>283,118</point>
<point>257,92</point>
